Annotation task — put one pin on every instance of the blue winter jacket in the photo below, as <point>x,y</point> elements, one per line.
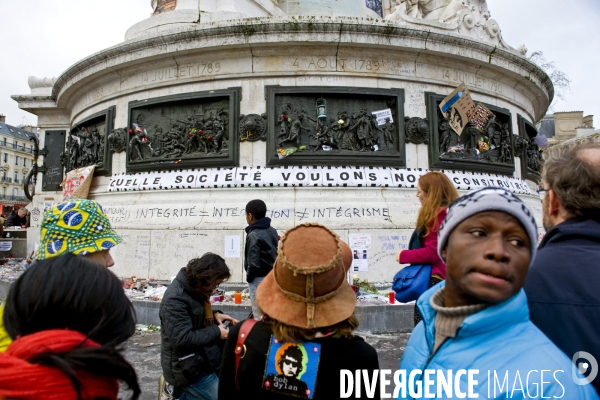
<point>512,355</point>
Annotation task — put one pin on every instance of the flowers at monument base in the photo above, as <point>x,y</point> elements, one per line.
<point>483,145</point>
<point>286,152</point>
<point>10,271</point>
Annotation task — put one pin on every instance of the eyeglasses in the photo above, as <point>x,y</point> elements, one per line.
<point>542,192</point>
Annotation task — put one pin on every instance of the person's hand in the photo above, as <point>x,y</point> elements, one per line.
<point>398,256</point>
<point>224,331</point>
<point>224,317</point>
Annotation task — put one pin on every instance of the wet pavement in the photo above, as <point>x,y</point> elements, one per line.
<point>143,352</point>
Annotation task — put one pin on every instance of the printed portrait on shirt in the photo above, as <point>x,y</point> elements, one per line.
<point>292,368</point>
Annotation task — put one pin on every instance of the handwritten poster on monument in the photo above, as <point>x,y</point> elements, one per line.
<point>481,117</point>
<point>458,107</point>
<point>375,5</point>
<point>383,115</point>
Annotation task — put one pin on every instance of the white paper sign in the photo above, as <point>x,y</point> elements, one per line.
<point>5,246</point>
<point>360,260</point>
<point>382,115</point>
<point>359,241</point>
<point>48,204</point>
<point>232,246</point>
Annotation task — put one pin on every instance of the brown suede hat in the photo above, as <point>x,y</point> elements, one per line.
<point>307,287</point>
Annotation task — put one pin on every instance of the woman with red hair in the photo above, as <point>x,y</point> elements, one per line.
<point>435,192</point>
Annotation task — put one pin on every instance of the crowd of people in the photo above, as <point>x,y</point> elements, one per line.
<point>497,302</point>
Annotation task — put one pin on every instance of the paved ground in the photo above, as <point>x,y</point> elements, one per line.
<point>143,351</point>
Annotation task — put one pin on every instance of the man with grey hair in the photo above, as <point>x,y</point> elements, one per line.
<point>563,284</point>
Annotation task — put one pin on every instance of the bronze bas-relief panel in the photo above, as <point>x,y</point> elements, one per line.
<point>335,126</point>
<point>489,150</point>
<point>184,131</point>
<point>86,143</point>
<point>530,153</point>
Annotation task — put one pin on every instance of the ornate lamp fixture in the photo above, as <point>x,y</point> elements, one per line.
<point>322,108</point>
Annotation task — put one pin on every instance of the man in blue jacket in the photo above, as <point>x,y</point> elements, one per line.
<point>476,333</point>
<point>563,285</point>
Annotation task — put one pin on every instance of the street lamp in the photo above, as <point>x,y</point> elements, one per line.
<point>321,108</point>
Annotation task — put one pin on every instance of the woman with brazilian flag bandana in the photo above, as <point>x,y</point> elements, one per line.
<point>76,226</point>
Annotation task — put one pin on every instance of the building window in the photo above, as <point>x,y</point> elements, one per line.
<point>5,156</point>
<point>16,177</point>
<point>15,145</point>
<point>24,162</point>
<point>24,175</point>
<point>3,141</point>
<point>16,160</point>
<point>15,192</point>
<point>31,149</point>
<point>31,163</point>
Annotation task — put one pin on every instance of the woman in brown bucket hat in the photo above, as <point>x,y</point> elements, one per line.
<point>305,337</point>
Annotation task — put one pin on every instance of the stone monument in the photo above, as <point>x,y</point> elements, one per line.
<point>329,111</point>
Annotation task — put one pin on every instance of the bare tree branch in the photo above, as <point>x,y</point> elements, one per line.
<point>560,80</point>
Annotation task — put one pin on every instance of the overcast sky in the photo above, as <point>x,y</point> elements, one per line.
<point>44,37</point>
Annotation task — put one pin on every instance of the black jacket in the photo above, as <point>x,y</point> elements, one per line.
<point>336,354</point>
<point>563,287</point>
<point>189,350</point>
<point>14,220</point>
<point>261,249</point>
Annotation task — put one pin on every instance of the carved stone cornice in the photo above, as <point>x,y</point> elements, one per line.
<point>286,32</point>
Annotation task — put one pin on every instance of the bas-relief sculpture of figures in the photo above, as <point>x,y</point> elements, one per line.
<point>84,147</point>
<point>171,132</point>
<point>535,158</point>
<point>491,144</point>
<point>467,17</point>
<point>348,132</point>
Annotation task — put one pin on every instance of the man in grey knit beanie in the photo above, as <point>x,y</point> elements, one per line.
<point>478,319</point>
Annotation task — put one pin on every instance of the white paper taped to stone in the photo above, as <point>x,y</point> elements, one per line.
<point>321,176</point>
<point>360,260</point>
<point>359,241</point>
<point>232,246</point>
<point>382,116</point>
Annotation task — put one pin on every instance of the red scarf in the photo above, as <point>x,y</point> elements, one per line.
<point>20,379</point>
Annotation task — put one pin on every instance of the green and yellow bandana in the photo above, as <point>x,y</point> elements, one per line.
<point>77,226</point>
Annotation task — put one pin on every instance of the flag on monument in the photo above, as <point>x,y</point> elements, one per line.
<point>458,107</point>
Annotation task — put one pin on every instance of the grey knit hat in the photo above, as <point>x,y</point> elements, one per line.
<point>488,199</point>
